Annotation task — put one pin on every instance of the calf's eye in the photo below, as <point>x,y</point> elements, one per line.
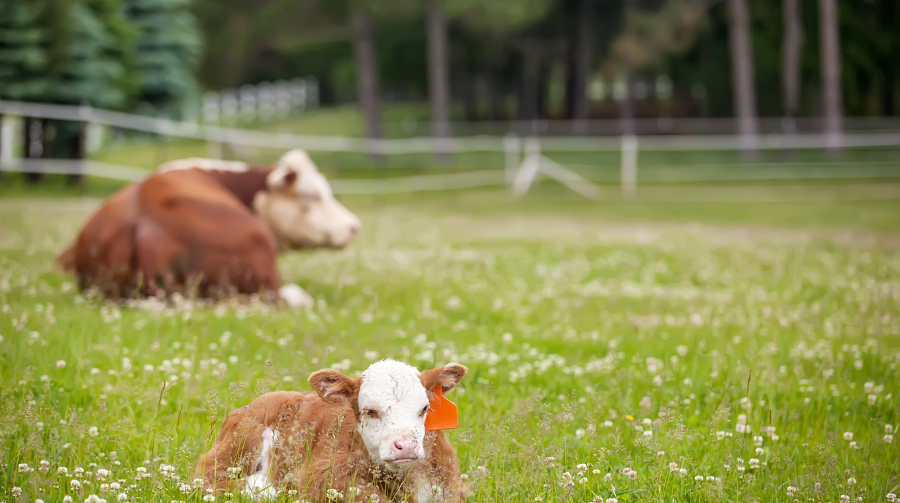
<point>372,413</point>
<point>424,411</point>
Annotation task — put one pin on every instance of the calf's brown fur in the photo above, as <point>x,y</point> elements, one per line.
<point>318,447</point>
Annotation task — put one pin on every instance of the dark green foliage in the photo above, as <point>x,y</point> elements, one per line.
<point>24,59</point>
<point>167,53</point>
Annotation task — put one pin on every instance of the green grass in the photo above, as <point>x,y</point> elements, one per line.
<point>584,326</point>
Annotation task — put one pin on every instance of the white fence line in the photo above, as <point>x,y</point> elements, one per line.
<point>517,174</point>
<point>253,138</point>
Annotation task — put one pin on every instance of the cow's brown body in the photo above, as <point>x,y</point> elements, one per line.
<point>191,231</point>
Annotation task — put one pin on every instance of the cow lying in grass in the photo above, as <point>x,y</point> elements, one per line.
<point>363,438</point>
<point>209,228</point>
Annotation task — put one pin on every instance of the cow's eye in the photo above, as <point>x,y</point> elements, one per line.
<point>372,413</point>
<point>424,411</point>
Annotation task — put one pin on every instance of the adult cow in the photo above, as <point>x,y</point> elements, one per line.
<point>209,228</point>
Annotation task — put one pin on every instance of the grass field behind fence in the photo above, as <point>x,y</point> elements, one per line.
<point>663,352</point>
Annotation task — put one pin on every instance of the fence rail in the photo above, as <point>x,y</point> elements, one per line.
<point>517,171</point>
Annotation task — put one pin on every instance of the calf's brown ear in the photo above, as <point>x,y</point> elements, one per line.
<point>334,387</point>
<point>447,377</point>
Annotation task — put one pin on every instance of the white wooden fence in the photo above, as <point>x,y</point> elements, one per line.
<point>265,102</point>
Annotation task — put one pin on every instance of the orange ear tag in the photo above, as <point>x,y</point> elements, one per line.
<point>442,413</point>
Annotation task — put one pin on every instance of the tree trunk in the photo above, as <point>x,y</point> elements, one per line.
<point>34,146</point>
<point>790,66</point>
<point>583,53</point>
<point>831,75</point>
<point>743,77</point>
<point>438,77</point>
<point>530,102</point>
<point>626,104</point>
<point>367,78</point>
<point>791,54</point>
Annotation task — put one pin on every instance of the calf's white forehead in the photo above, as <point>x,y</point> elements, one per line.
<point>392,384</point>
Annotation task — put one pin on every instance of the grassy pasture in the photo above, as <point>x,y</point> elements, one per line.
<point>643,352</point>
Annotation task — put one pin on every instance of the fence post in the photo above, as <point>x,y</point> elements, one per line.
<point>6,140</point>
<point>530,168</point>
<point>629,166</point>
<point>512,148</point>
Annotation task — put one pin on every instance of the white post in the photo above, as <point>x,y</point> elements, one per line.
<point>531,165</point>
<point>210,110</point>
<point>313,86</point>
<point>512,148</point>
<point>298,94</point>
<point>248,103</point>
<point>629,166</point>
<point>93,137</point>
<point>6,140</point>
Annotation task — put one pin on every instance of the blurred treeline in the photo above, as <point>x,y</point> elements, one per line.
<point>474,59</point>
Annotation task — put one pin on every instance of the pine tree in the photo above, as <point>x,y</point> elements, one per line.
<point>168,50</point>
<point>23,51</point>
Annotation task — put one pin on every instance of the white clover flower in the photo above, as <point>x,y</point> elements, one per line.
<point>121,497</point>
<point>538,499</point>
<point>92,499</point>
<point>115,486</point>
<point>888,438</point>
<point>791,490</point>
<point>673,466</point>
<point>888,428</point>
<point>60,364</point>
<point>16,491</point>
<point>67,499</point>
<point>38,501</point>
<point>612,500</point>
<point>710,478</point>
<point>845,498</point>
<point>333,494</point>
<point>853,445</point>
<point>93,431</point>
<point>848,435</point>
<point>74,484</point>
<point>699,478</point>
<point>24,468</point>
<point>209,497</point>
<point>579,433</point>
<point>104,487</point>
<point>661,453</point>
<point>682,471</point>
<point>851,481</point>
<point>720,435</point>
<point>581,467</point>
<point>596,471</point>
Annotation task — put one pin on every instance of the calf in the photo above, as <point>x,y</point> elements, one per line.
<point>209,228</point>
<point>364,438</point>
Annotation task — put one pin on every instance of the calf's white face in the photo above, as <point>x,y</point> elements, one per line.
<point>300,208</point>
<point>391,399</point>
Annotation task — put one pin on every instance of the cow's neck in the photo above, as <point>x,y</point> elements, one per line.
<point>243,184</point>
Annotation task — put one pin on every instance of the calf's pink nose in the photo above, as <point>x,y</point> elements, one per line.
<point>405,449</point>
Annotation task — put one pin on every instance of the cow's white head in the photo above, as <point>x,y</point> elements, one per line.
<point>391,402</point>
<point>300,208</point>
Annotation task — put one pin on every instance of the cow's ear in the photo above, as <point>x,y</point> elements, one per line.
<point>282,178</point>
<point>447,377</point>
<point>334,387</point>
